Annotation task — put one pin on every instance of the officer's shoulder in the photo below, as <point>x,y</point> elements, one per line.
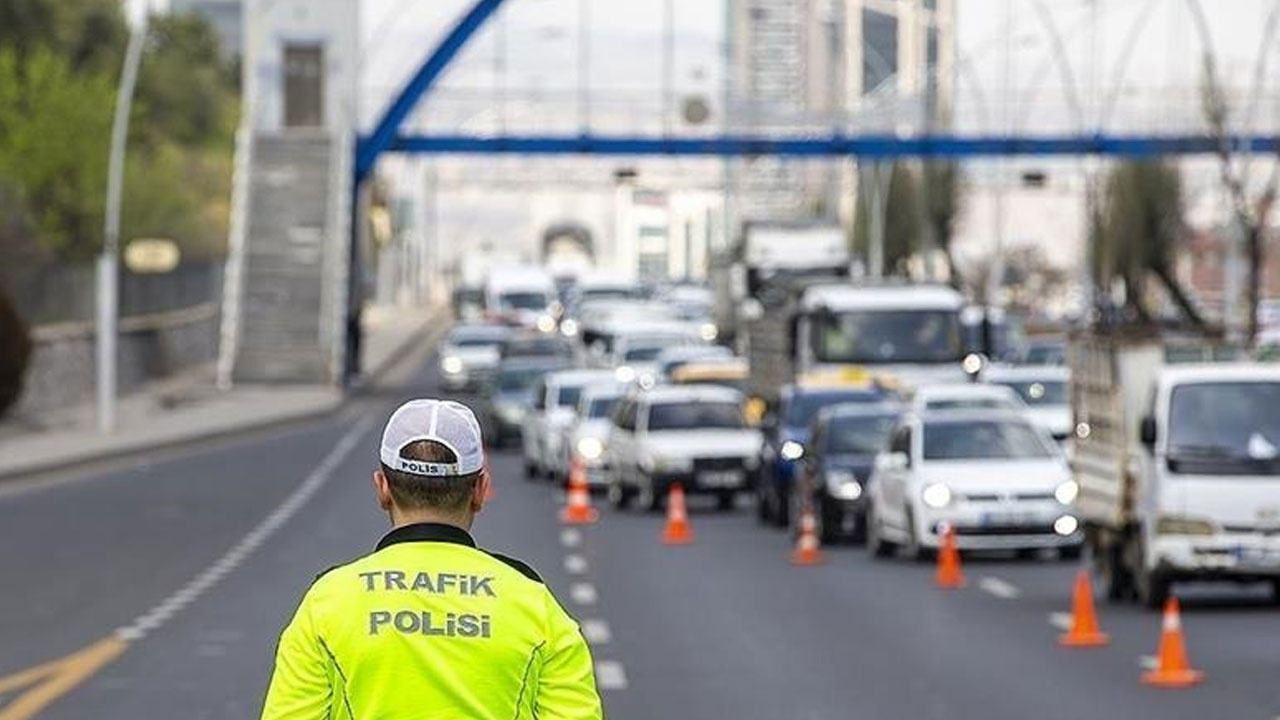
<point>519,566</point>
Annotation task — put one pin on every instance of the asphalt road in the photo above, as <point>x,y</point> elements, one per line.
<point>725,628</point>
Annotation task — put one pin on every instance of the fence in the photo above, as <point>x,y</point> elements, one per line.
<point>56,294</point>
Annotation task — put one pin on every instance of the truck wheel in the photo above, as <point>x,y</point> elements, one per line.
<point>876,544</point>
<point>619,496</point>
<point>1070,553</point>
<point>1275,590</point>
<point>1152,588</point>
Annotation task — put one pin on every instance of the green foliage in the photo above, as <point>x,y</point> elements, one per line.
<point>902,225</point>
<point>941,186</point>
<point>56,125</point>
<point>59,69</point>
<point>1138,234</point>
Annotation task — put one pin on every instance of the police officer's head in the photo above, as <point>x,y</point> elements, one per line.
<point>432,464</point>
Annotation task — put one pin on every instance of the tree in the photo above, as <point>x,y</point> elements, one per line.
<point>902,219</point>
<point>941,187</point>
<point>1141,228</point>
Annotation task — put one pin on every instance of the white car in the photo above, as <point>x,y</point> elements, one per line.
<point>1043,389</point>
<point>585,438</point>
<point>674,357</point>
<point>961,396</point>
<point>994,477</point>
<point>693,435</point>
<point>555,404</point>
<point>470,353</point>
<point>636,348</point>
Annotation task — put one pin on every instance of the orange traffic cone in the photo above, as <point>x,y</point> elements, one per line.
<point>577,509</point>
<point>807,550</point>
<point>1172,669</point>
<point>949,575</point>
<point>1084,630</point>
<point>677,530</point>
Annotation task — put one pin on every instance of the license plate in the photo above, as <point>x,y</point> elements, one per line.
<point>720,478</point>
<point>1008,519</point>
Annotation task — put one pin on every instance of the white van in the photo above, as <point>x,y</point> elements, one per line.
<point>521,296</point>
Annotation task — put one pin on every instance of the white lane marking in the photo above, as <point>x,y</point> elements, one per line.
<point>1148,662</point>
<point>999,588</point>
<point>570,538</point>
<point>583,593</point>
<point>575,564</point>
<point>610,675</point>
<point>596,631</point>
<point>167,608</point>
<point>1060,620</point>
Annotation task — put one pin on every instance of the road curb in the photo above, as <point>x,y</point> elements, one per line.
<point>73,459</point>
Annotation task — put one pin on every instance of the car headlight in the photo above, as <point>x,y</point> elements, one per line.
<point>708,332</point>
<point>1066,525</point>
<point>569,327</point>
<point>1066,492</point>
<point>590,448</point>
<point>936,495</point>
<point>672,464</point>
<point>546,323</point>
<point>791,450</point>
<point>452,364</point>
<point>1183,525</point>
<point>843,485</point>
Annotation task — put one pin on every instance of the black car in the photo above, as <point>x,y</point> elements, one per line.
<point>832,478</point>
<point>510,393</point>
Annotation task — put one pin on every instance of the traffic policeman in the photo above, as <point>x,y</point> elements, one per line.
<point>428,625</point>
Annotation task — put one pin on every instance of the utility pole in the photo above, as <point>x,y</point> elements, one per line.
<point>108,270</point>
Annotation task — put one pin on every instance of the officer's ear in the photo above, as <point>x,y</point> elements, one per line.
<point>481,490</point>
<point>382,489</point>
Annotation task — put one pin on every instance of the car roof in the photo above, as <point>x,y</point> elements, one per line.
<point>905,297</point>
<point>579,376</point>
<point>604,389</point>
<point>1028,373</point>
<point>973,415</point>
<point>1221,372</point>
<point>479,329</point>
<point>962,391</point>
<point>534,362</point>
<point>683,393</point>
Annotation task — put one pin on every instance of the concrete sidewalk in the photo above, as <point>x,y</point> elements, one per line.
<point>189,407</point>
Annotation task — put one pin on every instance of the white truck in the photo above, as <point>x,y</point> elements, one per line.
<point>1177,466</point>
<point>908,334</point>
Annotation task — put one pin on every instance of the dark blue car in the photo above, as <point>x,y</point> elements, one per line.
<point>786,436</point>
<point>832,477</point>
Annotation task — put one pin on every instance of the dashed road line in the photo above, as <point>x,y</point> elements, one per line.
<point>1060,620</point>
<point>570,538</point>
<point>610,675</point>
<point>596,632</point>
<point>575,564</point>
<point>999,588</point>
<point>583,593</point>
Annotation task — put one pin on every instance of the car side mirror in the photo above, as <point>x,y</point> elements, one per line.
<point>1147,432</point>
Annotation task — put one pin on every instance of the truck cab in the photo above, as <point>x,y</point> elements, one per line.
<point>905,335</point>
<point>1179,475</point>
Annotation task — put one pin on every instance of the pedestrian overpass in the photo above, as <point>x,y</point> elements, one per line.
<point>294,290</point>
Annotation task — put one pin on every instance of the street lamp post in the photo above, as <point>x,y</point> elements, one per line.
<point>108,270</point>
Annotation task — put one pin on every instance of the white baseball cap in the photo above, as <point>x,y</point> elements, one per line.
<point>451,424</point>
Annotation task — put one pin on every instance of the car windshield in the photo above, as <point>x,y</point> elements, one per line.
<point>600,406</point>
<point>1039,392</point>
<point>1225,428</point>
<point>1045,354</point>
<point>516,379</point>
<point>802,408</point>
<point>694,416</point>
<point>545,345</point>
<point>523,301</point>
<point>648,349</point>
<point>971,403</point>
<point>983,440</point>
<point>468,296</point>
<point>887,336</point>
<point>568,396</point>
<point>859,435</point>
<point>477,337</point>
